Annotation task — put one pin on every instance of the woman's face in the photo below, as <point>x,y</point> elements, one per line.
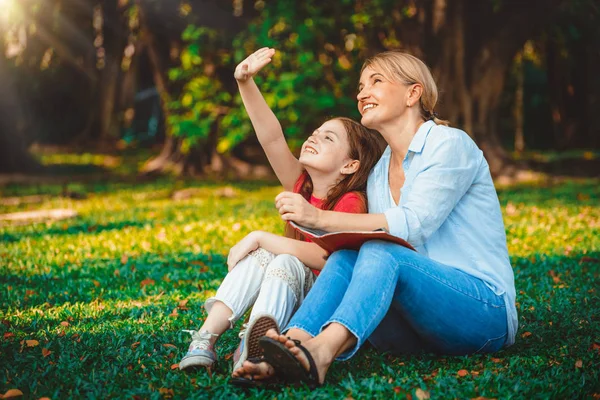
<point>380,100</point>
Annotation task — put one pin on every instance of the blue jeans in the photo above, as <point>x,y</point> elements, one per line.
<point>403,303</point>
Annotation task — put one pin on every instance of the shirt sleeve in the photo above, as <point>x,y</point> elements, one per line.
<point>351,203</point>
<point>447,173</point>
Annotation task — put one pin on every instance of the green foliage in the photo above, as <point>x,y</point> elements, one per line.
<point>313,76</point>
<point>98,292</point>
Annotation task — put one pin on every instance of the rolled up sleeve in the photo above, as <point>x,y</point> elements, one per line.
<point>447,172</point>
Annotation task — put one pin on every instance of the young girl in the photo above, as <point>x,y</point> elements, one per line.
<point>270,272</point>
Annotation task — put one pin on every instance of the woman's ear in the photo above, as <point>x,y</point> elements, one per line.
<point>414,94</point>
<point>350,167</point>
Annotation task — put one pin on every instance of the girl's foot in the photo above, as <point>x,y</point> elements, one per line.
<point>201,352</point>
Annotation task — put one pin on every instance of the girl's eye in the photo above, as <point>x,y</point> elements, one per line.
<point>377,80</point>
<point>329,138</point>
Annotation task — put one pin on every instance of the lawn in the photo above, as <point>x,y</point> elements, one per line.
<point>94,306</point>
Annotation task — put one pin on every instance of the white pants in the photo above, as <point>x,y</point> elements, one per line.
<point>274,284</point>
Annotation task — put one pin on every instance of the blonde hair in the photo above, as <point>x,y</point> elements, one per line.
<point>408,69</point>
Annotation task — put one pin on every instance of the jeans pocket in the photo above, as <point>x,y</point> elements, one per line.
<point>492,345</point>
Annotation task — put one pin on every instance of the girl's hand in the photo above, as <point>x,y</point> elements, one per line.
<point>253,63</point>
<point>250,243</point>
<point>294,207</point>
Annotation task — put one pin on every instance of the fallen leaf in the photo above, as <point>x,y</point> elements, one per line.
<point>8,335</point>
<point>183,303</point>
<point>124,259</point>
<point>134,345</point>
<point>117,272</point>
<point>589,260</point>
<point>578,364</point>
<point>526,334</point>
<point>44,398</point>
<point>169,345</point>
<point>174,313</point>
<point>65,323</point>
<point>422,394</point>
<point>166,392</point>
<point>46,352</point>
<point>32,343</point>
<point>462,372</point>
<point>398,390</point>
<point>10,393</point>
<point>174,366</point>
<point>147,281</point>
<point>228,356</point>
<point>96,283</point>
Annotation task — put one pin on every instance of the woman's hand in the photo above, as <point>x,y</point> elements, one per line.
<point>250,243</point>
<point>294,207</point>
<point>253,63</point>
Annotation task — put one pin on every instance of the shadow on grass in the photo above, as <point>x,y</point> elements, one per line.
<point>118,352</point>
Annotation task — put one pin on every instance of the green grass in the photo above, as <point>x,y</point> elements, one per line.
<point>98,292</point>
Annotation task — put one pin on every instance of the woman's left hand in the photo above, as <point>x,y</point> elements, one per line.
<point>294,207</point>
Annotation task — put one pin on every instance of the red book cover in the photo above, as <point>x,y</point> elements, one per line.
<point>351,240</point>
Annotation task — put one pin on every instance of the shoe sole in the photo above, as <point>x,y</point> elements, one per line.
<point>255,331</point>
<point>196,362</point>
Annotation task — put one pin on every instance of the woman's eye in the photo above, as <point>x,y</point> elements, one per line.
<point>329,138</point>
<point>377,80</point>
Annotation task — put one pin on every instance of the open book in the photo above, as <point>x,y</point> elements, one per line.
<point>352,240</point>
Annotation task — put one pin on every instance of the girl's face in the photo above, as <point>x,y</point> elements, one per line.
<point>326,150</point>
<point>380,100</point>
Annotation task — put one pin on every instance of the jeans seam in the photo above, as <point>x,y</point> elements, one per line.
<point>302,328</point>
<point>444,282</point>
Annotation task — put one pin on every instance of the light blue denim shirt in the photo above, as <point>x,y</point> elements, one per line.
<point>448,208</point>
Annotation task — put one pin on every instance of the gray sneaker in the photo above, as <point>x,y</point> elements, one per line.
<point>201,352</point>
<point>249,335</point>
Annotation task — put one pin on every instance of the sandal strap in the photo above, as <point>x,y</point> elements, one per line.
<point>313,374</point>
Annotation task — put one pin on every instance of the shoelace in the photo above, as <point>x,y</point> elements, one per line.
<point>243,331</point>
<point>200,340</point>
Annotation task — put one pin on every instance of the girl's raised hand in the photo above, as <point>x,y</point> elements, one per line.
<point>294,207</point>
<point>253,63</point>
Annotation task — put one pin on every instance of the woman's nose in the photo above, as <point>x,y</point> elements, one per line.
<point>362,94</point>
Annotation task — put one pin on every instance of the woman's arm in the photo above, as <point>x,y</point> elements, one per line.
<point>294,207</point>
<point>310,254</point>
<point>265,123</point>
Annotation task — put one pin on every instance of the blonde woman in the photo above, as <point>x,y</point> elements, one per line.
<point>432,187</point>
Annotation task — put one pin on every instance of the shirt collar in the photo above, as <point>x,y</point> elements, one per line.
<point>418,141</point>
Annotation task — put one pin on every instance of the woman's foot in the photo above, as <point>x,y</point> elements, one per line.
<point>259,371</point>
<point>321,354</point>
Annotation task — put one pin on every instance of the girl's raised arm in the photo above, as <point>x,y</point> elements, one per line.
<point>267,127</point>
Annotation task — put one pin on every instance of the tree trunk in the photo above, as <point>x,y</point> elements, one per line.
<point>14,156</point>
<point>115,39</point>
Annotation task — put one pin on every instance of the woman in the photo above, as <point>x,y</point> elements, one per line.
<point>432,187</point>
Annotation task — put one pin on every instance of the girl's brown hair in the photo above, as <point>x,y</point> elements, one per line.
<point>366,146</point>
<point>408,69</point>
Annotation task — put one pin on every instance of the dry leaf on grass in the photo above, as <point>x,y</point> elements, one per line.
<point>134,345</point>
<point>169,345</point>
<point>578,364</point>
<point>31,343</point>
<point>422,394</point>
<point>147,281</point>
<point>46,352</point>
<point>174,366</point>
<point>11,393</point>
<point>64,323</point>
<point>462,372</point>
